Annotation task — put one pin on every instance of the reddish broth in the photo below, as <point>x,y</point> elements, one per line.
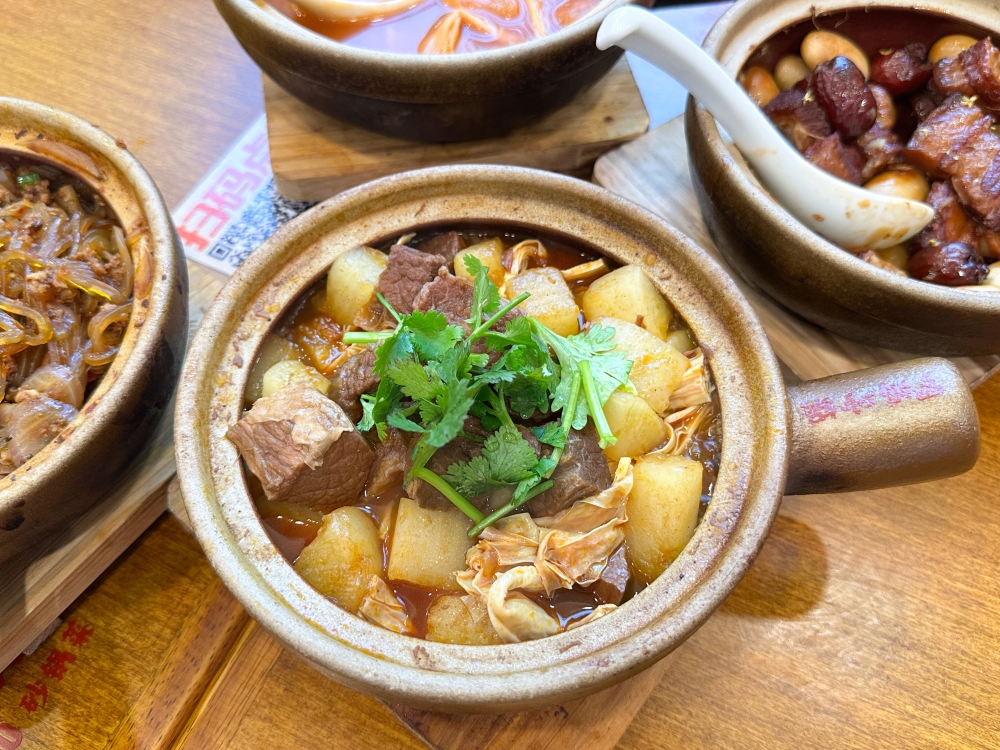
<point>293,527</point>
<point>404,31</point>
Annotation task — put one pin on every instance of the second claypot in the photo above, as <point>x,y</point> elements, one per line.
<point>891,425</point>
<point>437,98</point>
<point>774,252</point>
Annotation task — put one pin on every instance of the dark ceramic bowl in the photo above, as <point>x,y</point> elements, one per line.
<point>890,425</point>
<point>771,249</point>
<point>88,457</point>
<point>438,98</point>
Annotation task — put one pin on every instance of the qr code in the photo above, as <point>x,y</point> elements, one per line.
<point>264,215</point>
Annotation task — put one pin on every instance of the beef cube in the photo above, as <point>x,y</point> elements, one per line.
<point>841,90</point>
<point>881,148</point>
<point>582,472</point>
<point>611,586</point>
<point>834,156</point>
<point>452,296</point>
<point>976,176</point>
<point>950,78</point>
<point>449,295</point>
<point>797,114</point>
<point>981,63</point>
<point>406,274</point>
<point>446,245</point>
<point>351,379</point>
<point>459,450</point>
<point>304,449</point>
<point>954,264</point>
<point>392,464</point>
<point>937,141</point>
<point>950,224</point>
<point>902,70</point>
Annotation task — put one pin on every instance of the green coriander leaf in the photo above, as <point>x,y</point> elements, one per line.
<point>507,458</point>
<point>431,333</point>
<point>551,434</point>
<point>415,380</point>
<point>453,404</point>
<point>397,346</point>
<point>485,295</point>
<point>610,368</point>
<point>400,422</point>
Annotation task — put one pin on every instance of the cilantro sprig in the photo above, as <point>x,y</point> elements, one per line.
<point>431,380</point>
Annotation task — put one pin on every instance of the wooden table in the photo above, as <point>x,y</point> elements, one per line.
<point>870,619</point>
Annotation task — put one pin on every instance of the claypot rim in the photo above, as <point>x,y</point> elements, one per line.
<point>730,35</point>
<point>323,47</point>
<point>147,323</point>
<point>746,499</point>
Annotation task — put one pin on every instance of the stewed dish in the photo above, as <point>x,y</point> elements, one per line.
<point>65,298</point>
<point>513,288</point>
<point>435,26</point>
<point>480,436</point>
<point>914,121</point>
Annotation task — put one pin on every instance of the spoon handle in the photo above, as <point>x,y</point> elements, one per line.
<point>661,44</point>
<point>843,213</point>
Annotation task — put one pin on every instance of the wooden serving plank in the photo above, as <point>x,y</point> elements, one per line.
<point>315,156</point>
<point>34,589</point>
<point>653,172</point>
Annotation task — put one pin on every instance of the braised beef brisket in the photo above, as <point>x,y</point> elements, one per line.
<point>304,449</point>
<point>352,378</point>
<point>407,272</point>
<point>582,472</point>
<point>446,245</point>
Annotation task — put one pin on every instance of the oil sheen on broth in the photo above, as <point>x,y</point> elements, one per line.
<point>444,26</point>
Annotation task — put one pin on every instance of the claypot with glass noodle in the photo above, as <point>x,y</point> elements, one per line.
<point>900,102</point>
<point>484,438</point>
<point>434,70</point>
<point>92,317</point>
<point>65,295</point>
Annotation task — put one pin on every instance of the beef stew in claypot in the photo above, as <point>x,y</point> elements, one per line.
<point>479,435</point>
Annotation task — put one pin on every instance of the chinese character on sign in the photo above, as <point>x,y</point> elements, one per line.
<point>55,665</point>
<point>36,690</point>
<point>77,633</point>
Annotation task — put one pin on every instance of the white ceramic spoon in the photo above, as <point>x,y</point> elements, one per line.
<point>847,215</point>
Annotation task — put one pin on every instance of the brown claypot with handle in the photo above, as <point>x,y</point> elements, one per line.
<point>903,423</point>
<point>88,457</point>
<point>771,249</point>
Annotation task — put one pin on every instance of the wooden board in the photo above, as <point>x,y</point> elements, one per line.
<point>653,172</point>
<point>315,156</point>
<point>35,588</point>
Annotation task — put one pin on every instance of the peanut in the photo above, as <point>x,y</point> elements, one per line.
<point>902,182</point>
<point>949,47</point>
<point>896,256</point>
<point>760,85</point>
<point>886,116</point>
<point>790,70</point>
<point>820,46</point>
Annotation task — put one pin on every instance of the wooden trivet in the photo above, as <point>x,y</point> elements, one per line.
<point>35,588</point>
<point>315,156</point>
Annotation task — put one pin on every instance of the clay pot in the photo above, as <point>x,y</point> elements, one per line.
<point>437,98</point>
<point>892,425</point>
<point>771,249</point>
<point>88,457</point>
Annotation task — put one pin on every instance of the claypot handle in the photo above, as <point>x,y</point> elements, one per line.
<point>896,424</point>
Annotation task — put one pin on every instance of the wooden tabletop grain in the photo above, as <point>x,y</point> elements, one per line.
<point>869,620</point>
